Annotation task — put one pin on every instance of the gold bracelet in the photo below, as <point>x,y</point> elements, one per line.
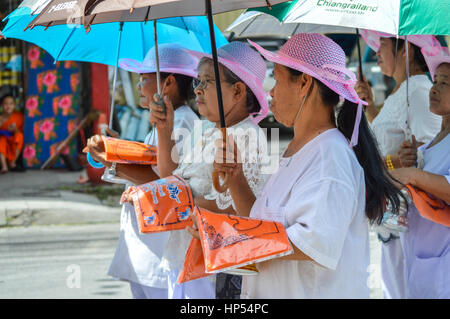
<point>389,164</point>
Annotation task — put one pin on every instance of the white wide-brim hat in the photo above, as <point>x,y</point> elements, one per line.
<point>434,57</point>
<point>248,66</point>
<point>172,59</point>
<point>323,59</point>
<point>372,38</point>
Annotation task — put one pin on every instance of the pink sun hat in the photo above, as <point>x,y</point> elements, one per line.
<point>435,56</point>
<point>172,59</point>
<point>248,66</point>
<point>372,38</point>
<point>323,59</point>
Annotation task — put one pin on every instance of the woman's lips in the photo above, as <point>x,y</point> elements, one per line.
<point>434,100</point>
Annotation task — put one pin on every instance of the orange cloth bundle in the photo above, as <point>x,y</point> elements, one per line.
<point>194,264</point>
<point>230,242</point>
<point>162,205</point>
<point>129,152</point>
<point>430,208</point>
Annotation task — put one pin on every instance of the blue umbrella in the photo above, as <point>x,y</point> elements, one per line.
<point>131,39</point>
<point>72,43</point>
<point>108,42</point>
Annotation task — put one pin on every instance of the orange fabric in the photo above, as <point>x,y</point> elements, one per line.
<point>129,152</point>
<point>430,207</point>
<point>10,145</point>
<point>230,241</point>
<point>163,205</point>
<point>194,264</point>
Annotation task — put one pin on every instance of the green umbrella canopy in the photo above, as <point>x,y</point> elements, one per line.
<point>398,17</point>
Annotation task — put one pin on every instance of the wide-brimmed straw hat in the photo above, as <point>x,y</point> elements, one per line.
<point>172,59</point>
<point>248,66</point>
<point>323,59</point>
<point>372,38</point>
<point>435,56</point>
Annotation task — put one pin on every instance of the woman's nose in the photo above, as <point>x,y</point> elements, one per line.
<point>198,91</point>
<point>433,90</point>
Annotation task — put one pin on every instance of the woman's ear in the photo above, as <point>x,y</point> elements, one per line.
<point>402,51</point>
<point>169,84</point>
<point>306,83</point>
<point>240,91</point>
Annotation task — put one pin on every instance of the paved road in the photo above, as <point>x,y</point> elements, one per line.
<point>71,262</point>
<point>59,262</point>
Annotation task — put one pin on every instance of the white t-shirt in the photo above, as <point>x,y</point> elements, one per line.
<point>138,256</point>
<point>389,125</point>
<point>319,196</point>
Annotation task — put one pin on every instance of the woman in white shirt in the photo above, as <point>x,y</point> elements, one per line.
<point>242,72</point>
<point>389,127</point>
<point>324,192</point>
<point>138,256</point>
<point>426,245</point>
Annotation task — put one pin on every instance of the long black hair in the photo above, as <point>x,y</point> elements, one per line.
<point>252,103</point>
<point>184,83</point>
<point>379,187</point>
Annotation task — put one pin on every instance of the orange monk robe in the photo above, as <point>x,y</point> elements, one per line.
<point>10,145</point>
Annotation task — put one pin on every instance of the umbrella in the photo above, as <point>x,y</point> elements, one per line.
<point>90,13</point>
<point>258,24</point>
<point>397,17</point>
<point>132,39</point>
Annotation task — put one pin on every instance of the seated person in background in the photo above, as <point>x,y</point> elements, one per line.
<point>11,133</point>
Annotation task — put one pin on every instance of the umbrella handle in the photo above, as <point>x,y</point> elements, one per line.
<point>215,174</point>
<point>216,181</point>
<point>359,55</point>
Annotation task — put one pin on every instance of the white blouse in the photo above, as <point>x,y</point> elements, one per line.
<point>196,167</point>
<point>318,194</point>
<point>389,125</point>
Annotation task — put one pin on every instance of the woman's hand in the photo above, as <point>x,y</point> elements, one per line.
<point>163,121</point>
<point>407,155</point>
<point>194,230</point>
<point>227,159</point>
<point>405,175</point>
<point>127,196</point>
<point>96,148</point>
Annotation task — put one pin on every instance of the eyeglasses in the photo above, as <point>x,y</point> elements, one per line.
<point>200,84</point>
<point>203,84</point>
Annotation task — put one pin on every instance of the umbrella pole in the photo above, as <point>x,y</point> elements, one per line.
<point>158,74</point>
<point>359,55</point>
<point>111,112</point>
<point>215,174</point>
<point>215,62</point>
